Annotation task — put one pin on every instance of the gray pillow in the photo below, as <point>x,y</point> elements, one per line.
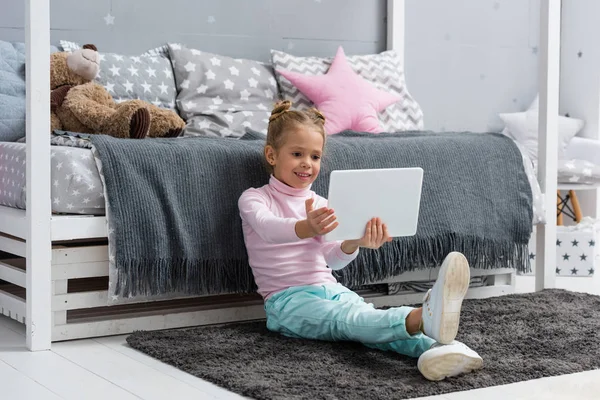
<point>384,70</point>
<point>147,77</point>
<point>221,96</point>
<point>12,90</point>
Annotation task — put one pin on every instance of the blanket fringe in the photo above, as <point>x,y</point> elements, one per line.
<point>417,253</point>
<point>210,277</point>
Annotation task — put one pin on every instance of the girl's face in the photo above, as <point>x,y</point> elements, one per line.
<point>298,162</point>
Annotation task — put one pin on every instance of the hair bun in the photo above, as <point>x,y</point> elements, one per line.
<point>316,115</point>
<point>279,109</point>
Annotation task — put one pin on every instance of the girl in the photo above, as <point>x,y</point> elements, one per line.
<point>283,223</point>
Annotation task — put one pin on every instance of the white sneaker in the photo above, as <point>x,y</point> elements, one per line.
<point>442,361</point>
<point>442,303</point>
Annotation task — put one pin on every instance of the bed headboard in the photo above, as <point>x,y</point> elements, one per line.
<point>301,27</point>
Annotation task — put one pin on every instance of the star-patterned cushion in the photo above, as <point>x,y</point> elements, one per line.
<point>384,70</point>
<point>148,77</point>
<point>222,96</point>
<point>578,172</point>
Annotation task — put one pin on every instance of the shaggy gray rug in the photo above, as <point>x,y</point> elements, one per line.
<point>520,337</point>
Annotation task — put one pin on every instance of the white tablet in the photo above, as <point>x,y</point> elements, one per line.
<point>392,194</point>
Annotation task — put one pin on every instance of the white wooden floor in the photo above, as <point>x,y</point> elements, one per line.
<point>106,368</point>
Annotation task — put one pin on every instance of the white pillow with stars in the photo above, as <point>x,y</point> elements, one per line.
<point>148,77</point>
<point>221,96</point>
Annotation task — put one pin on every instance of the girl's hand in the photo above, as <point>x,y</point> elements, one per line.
<point>319,221</point>
<point>375,236</point>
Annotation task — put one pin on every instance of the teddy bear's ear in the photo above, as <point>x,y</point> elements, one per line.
<point>90,46</point>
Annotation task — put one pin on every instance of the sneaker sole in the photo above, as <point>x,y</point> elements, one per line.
<point>447,365</point>
<point>456,283</point>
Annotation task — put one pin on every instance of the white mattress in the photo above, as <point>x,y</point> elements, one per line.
<point>76,187</point>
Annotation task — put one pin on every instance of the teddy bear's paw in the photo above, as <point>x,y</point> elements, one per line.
<point>175,132</point>
<point>140,124</point>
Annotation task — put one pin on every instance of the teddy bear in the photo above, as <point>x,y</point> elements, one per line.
<point>78,104</point>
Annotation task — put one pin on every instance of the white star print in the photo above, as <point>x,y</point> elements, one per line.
<point>272,81</point>
<point>204,124</point>
<point>146,87</point>
<point>154,60</point>
<point>574,179</point>
<point>245,95</point>
<point>196,52</point>
<point>213,107</point>
<point>133,71</point>
<point>228,84</point>
<point>190,66</point>
<point>215,61</point>
<point>128,86</point>
<point>229,118</point>
<point>201,89</point>
<point>234,71</point>
<point>118,57</point>
<point>269,93</point>
<point>115,70</point>
<point>136,59</point>
<point>185,84</point>
<point>253,82</point>
<point>101,57</point>
<point>56,201</point>
<point>163,88</point>
<point>255,71</point>
<point>217,100</point>
<point>225,132</point>
<point>247,124</point>
<point>109,19</point>
<point>168,72</point>
<point>247,113</point>
<point>151,72</point>
<point>189,105</point>
<point>210,75</point>
<point>175,46</point>
<point>261,106</point>
<point>570,165</point>
<point>156,102</point>
<point>587,171</point>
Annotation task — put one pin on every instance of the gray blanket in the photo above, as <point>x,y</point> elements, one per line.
<point>173,205</point>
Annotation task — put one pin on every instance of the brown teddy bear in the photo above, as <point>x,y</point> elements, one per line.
<point>80,105</point>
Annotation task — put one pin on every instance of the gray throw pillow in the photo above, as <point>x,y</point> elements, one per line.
<point>221,96</point>
<point>12,90</point>
<point>148,77</point>
<point>384,70</point>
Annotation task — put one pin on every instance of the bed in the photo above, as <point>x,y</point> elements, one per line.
<point>61,259</point>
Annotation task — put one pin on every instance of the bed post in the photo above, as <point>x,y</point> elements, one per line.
<point>38,240</point>
<point>395,27</point>
<point>549,72</point>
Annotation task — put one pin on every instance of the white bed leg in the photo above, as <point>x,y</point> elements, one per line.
<point>549,78</point>
<point>38,240</point>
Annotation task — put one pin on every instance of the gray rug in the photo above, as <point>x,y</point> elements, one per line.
<point>520,337</point>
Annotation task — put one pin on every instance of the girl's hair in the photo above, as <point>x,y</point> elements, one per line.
<point>283,121</point>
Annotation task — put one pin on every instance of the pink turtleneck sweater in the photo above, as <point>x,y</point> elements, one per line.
<point>278,257</point>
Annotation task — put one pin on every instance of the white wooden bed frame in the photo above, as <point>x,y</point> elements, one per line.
<point>61,262</point>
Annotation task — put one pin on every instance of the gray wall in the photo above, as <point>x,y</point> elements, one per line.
<point>466,60</point>
<point>240,28</point>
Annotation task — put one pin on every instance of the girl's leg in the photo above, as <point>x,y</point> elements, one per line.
<point>333,312</point>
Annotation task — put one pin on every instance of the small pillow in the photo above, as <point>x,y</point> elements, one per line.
<point>523,127</point>
<point>221,96</point>
<point>347,101</point>
<point>148,77</point>
<point>384,70</point>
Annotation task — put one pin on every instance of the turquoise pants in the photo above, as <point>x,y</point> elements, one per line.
<point>333,312</point>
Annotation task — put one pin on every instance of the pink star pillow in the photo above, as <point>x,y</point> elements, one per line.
<point>346,100</point>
